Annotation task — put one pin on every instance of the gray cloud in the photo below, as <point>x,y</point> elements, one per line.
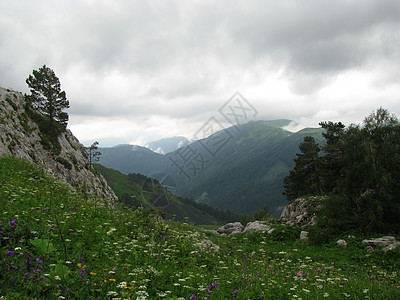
<point>182,60</point>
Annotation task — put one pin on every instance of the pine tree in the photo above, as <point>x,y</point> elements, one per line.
<point>47,97</point>
<point>305,178</point>
<point>93,154</point>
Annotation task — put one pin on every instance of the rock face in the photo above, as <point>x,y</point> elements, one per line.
<point>21,136</point>
<point>386,242</point>
<point>301,212</point>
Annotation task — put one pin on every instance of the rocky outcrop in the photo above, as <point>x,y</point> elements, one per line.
<point>386,242</point>
<point>301,212</point>
<point>21,136</point>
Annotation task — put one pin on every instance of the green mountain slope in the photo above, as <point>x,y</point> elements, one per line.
<point>240,168</point>
<point>247,172</point>
<point>137,190</point>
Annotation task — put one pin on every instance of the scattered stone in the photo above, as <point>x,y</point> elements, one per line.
<point>256,226</point>
<point>304,235</point>
<point>369,249</point>
<point>208,245</point>
<point>341,243</point>
<point>271,230</point>
<point>388,243</point>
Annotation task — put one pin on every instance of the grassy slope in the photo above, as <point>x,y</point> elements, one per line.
<point>54,244</point>
<point>152,195</point>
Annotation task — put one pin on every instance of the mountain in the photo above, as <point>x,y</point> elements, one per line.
<point>24,134</point>
<point>133,159</point>
<point>137,190</point>
<point>168,144</point>
<point>240,168</point>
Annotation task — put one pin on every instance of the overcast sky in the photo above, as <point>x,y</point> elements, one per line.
<point>136,71</point>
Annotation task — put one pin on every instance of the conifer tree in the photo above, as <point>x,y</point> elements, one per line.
<point>93,153</point>
<point>305,178</point>
<point>47,97</point>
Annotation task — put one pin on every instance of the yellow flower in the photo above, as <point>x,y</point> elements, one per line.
<point>112,279</point>
<point>93,273</point>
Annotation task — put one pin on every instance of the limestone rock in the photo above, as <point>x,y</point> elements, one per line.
<point>341,243</point>
<point>20,136</point>
<point>256,226</point>
<point>388,243</point>
<point>301,212</point>
<point>304,235</point>
<point>231,229</point>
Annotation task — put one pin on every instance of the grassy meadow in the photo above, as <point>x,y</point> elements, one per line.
<point>59,244</point>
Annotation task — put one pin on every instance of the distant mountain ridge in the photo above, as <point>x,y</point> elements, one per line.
<point>167,145</point>
<point>240,168</point>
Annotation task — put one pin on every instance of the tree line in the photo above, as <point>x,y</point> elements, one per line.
<point>357,169</point>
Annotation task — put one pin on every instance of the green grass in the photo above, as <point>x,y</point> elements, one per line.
<point>54,244</point>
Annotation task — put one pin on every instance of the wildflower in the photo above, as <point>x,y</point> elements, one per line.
<point>300,274</point>
<point>207,296</point>
<point>193,297</point>
<point>373,276</point>
<point>10,253</point>
<point>38,260</point>
<point>112,279</point>
<point>93,273</point>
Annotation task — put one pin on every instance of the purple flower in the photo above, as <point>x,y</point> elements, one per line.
<point>271,266</point>
<point>373,276</point>
<point>300,274</point>
<point>38,260</point>
<point>52,229</point>
<point>212,286</point>
<point>193,297</point>
<point>10,253</point>
<point>207,296</point>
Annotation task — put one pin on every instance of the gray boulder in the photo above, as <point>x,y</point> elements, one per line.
<point>256,226</point>
<point>304,235</point>
<point>341,243</point>
<point>231,229</point>
<point>388,243</point>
